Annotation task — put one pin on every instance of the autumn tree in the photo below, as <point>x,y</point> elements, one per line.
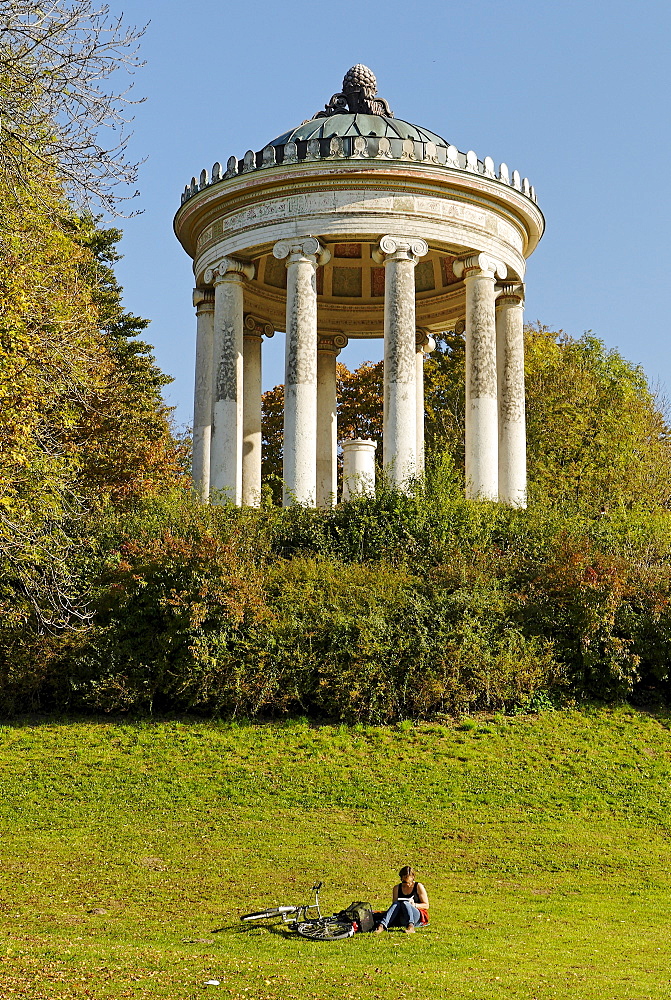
<point>81,415</point>
<point>60,103</point>
<point>360,402</point>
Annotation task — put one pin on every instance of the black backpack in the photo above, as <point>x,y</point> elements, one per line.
<point>360,914</point>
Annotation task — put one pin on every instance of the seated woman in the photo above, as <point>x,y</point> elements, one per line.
<point>410,904</point>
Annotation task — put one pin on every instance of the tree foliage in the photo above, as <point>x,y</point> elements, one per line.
<point>360,402</point>
<point>596,437</point>
<point>81,416</point>
<point>59,105</point>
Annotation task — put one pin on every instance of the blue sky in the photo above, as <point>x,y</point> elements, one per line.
<point>574,95</point>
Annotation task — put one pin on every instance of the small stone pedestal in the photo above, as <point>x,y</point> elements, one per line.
<point>358,467</point>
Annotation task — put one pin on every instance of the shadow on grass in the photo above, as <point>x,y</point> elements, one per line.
<point>282,930</point>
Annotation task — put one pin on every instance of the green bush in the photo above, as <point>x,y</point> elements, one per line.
<point>392,607</point>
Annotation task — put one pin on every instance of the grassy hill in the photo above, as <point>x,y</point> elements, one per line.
<point>128,852</point>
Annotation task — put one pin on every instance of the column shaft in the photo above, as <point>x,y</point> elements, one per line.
<point>400,256</point>
<point>251,419</point>
<point>327,421</point>
<point>481,389</point>
<point>511,397</point>
<point>419,389</point>
<point>300,384</point>
<point>226,450</point>
<point>203,299</point>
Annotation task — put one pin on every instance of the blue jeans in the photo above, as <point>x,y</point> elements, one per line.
<point>401,912</point>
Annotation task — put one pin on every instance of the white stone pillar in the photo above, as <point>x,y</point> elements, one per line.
<point>203,300</point>
<point>300,382</point>
<point>358,467</point>
<point>400,254</point>
<point>254,331</point>
<point>482,463</point>
<point>424,345</point>
<point>226,450</point>
<point>328,349</point>
<point>511,396</point>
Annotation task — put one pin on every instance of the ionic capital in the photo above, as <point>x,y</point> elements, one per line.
<point>203,299</point>
<point>400,248</point>
<point>332,344</point>
<point>510,294</point>
<point>255,328</point>
<point>228,267</point>
<point>308,248</point>
<point>479,265</point>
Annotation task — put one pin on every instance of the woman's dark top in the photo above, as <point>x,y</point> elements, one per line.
<point>412,896</point>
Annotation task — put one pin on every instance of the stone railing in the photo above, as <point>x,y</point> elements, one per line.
<point>358,148</point>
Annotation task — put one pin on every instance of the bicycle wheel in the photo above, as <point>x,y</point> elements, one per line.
<point>326,929</point>
<point>275,911</point>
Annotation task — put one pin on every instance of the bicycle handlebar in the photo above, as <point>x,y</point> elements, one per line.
<point>317,886</point>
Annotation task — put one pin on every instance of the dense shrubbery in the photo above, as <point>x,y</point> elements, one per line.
<point>384,608</point>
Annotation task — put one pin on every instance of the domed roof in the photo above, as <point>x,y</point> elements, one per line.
<point>344,125</point>
<point>357,110</point>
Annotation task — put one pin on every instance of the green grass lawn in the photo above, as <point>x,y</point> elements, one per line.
<point>129,850</point>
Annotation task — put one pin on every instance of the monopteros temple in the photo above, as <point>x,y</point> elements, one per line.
<point>356,224</point>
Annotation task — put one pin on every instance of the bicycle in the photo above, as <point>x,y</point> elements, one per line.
<point>317,928</point>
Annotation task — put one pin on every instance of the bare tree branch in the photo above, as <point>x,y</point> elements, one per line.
<point>58,101</point>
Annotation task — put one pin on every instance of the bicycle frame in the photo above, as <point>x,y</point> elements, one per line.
<point>293,915</point>
<point>300,913</point>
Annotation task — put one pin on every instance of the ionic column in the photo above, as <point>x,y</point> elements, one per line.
<point>254,330</point>
<point>226,450</point>
<point>424,345</point>
<point>300,383</point>
<point>328,349</point>
<point>482,471</point>
<point>512,421</point>
<point>400,254</point>
<point>203,300</point>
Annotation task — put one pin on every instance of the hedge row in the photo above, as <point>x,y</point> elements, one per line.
<point>391,607</point>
